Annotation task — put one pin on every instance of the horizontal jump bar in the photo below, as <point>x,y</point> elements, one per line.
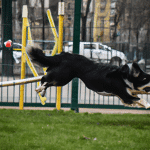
<point>38,78</point>
<point>20,81</point>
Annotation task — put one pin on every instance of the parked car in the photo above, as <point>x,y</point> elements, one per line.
<point>99,52</point>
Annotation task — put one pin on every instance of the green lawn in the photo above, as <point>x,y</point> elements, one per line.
<point>52,130</point>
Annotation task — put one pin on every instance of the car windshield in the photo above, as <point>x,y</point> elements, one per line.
<point>107,49</point>
<point>101,47</point>
<point>89,46</point>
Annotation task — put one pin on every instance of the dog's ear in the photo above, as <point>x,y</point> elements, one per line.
<point>135,70</point>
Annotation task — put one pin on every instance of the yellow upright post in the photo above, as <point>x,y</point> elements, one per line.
<point>23,61</point>
<point>60,45</point>
<point>29,34</point>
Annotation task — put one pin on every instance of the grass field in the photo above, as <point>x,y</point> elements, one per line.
<point>52,130</point>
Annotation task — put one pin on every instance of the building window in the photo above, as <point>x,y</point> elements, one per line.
<point>102,22</point>
<point>69,6</point>
<point>69,17</point>
<point>102,10</point>
<point>113,1</point>
<point>112,12</point>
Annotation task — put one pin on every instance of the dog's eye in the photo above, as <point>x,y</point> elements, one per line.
<point>144,79</point>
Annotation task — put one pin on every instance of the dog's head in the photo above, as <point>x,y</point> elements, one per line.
<point>134,74</point>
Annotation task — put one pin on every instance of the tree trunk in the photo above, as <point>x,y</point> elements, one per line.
<point>84,20</point>
<point>84,28</point>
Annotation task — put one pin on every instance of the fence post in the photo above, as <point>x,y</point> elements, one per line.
<point>7,55</point>
<point>23,61</point>
<point>76,41</point>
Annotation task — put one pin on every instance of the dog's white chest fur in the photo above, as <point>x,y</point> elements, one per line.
<point>130,84</point>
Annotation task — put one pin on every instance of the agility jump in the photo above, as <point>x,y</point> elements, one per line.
<point>58,45</point>
<point>25,58</point>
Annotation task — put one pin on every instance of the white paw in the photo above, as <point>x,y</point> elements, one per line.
<point>43,93</point>
<point>38,89</point>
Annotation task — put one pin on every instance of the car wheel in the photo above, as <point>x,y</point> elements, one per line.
<point>115,61</point>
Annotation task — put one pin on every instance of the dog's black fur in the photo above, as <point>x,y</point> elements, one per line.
<point>64,67</point>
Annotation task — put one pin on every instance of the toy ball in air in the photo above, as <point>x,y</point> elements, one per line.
<point>8,43</point>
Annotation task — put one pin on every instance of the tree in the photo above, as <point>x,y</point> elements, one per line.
<point>84,21</point>
<point>120,10</point>
<point>133,15</point>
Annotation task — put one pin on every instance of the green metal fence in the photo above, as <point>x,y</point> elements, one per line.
<point>9,96</point>
<point>74,95</point>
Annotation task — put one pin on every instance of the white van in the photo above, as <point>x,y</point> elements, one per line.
<point>99,52</point>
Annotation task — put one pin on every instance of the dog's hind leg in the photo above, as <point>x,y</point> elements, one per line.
<point>46,82</point>
<point>39,88</point>
<point>42,88</point>
<point>43,93</point>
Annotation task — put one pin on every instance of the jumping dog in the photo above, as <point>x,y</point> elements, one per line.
<point>105,79</point>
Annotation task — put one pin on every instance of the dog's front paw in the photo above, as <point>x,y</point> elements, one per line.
<point>142,103</point>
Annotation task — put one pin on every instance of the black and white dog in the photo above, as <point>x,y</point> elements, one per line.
<point>104,79</point>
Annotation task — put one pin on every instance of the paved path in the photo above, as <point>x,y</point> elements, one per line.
<point>83,110</point>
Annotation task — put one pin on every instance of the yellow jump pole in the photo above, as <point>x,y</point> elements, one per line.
<point>60,45</point>
<point>23,61</point>
<point>51,21</point>
<point>30,64</point>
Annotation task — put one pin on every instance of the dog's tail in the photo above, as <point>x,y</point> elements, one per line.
<point>37,56</point>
